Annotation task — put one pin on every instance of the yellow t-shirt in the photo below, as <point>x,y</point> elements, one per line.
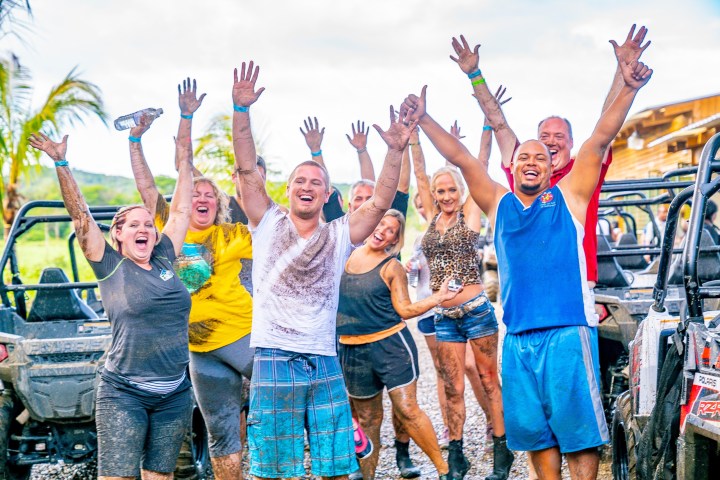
<point>209,267</point>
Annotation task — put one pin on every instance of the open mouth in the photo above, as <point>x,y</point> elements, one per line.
<point>377,237</point>
<point>141,241</point>
<point>306,198</point>
<point>531,174</point>
<point>202,209</point>
<point>553,153</point>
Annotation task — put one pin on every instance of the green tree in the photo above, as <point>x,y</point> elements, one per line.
<point>67,103</point>
<point>215,158</point>
<point>7,15</point>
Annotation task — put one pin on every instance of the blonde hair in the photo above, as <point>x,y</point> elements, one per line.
<point>223,203</point>
<point>454,174</point>
<point>119,220</point>
<point>397,246</point>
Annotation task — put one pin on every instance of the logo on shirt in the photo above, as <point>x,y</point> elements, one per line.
<point>547,199</point>
<point>166,275</point>
<point>191,266</point>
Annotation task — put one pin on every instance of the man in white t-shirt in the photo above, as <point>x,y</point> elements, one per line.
<point>649,236</point>
<point>297,263</point>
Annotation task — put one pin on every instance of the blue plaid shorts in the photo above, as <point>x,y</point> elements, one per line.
<point>289,394</point>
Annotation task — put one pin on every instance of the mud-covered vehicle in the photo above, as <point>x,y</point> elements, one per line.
<point>667,423</point>
<point>53,339</point>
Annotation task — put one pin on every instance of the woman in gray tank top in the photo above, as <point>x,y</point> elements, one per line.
<point>377,350</point>
<point>143,401</point>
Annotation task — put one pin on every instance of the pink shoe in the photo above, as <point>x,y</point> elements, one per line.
<point>363,445</point>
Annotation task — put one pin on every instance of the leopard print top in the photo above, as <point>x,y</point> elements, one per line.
<point>453,254</point>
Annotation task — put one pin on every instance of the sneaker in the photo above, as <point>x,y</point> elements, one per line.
<point>444,439</point>
<point>404,462</point>
<point>363,445</point>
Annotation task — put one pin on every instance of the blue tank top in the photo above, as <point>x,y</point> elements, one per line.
<point>541,262</point>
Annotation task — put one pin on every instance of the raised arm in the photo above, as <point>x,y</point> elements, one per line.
<point>314,137</point>
<point>631,50</point>
<point>359,141</point>
<point>584,175</point>
<point>364,220</point>
<point>421,176</point>
<point>395,277</point>
<point>252,185</point>
<point>484,190</point>
<point>468,60</point>
<point>181,207</point>
<point>189,103</point>
<point>486,136</point>
<point>144,180</point>
<point>91,239</point>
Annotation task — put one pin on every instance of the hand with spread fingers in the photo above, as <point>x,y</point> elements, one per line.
<point>187,97</point>
<point>632,48</point>
<point>398,134</point>
<point>54,150</point>
<point>467,58</point>
<point>455,131</point>
<point>313,134</point>
<point>359,136</point>
<point>243,91</point>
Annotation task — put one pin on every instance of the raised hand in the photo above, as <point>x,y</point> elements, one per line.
<point>413,107</point>
<point>397,135</point>
<point>359,136</point>
<point>467,58</point>
<point>499,95</point>
<point>187,97</point>
<point>55,150</point>
<point>313,135</point>
<point>635,74</point>
<point>142,127</point>
<point>633,47</point>
<point>243,92</point>
<point>455,131</point>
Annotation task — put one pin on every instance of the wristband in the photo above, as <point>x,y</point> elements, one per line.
<point>362,150</point>
<point>476,73</point>
<point>134,139</point>
<point>487,127</point>
<point>478,81</point>
<point>61,163</point>
<point>186,117</point>
<point>410,143</point>
<point>316,154</point>
<point>239,108</point>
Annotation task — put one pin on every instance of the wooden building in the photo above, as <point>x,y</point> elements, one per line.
<point>664,138</point>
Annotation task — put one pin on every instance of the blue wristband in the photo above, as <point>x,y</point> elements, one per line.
<point>134,139</point>
<point>61,163</point>
<point>316,154</point>
<point>186,117</point>
<point>474,74</point>
<point>238,108</point>
<point>487,127</point>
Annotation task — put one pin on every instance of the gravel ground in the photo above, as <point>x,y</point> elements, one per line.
<point>427,396</point>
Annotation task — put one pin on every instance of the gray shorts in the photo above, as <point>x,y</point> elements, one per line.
<point>217,381</point>
<point>134,426</point>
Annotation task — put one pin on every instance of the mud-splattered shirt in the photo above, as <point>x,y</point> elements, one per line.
<point>297,283</point>
<point>209,265</point>
<point>148,312</point>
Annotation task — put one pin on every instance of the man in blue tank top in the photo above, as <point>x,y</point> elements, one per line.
<point>550,366</point>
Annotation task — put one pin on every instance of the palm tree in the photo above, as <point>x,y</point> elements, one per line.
<point>67,103</point>
<point>7,14</point>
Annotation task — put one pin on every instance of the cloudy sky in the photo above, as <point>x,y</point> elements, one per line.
<point>342,61</point>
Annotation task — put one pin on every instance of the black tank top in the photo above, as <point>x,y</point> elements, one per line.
<point>365,305</point>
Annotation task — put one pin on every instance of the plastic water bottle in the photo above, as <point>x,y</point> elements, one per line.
<point>133,119</point>
<point>414,272</point>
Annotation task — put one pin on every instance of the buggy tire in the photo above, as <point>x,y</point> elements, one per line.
<point>194,457</point>
<point>8,470</point>
<point>624,441</point>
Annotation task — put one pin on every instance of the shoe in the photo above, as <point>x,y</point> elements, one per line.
<point>457,462</point>
<point>363,445</point>
<point>444,439</point>
<point>355,476</point>
<point>503,459</point>
<point>404,462</point>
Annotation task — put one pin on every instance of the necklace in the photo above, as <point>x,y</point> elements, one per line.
<point>445,227</point>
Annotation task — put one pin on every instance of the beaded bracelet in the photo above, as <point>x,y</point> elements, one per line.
<point>474,74</point>
<point>134,139</point>
<point>186,117</point>
<point>61,163</point>
<point>239,108</point>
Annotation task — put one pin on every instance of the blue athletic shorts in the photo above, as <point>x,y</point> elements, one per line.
<point>478,322</point>
<point>551,390</point>
<point>290,392</point>
<point>426,325</point>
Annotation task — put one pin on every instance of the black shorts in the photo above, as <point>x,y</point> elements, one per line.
<point>391,362</point>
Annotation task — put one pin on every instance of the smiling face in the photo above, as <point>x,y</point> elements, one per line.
<point>555,133</point>
<point>532,167</point>
<point>385,235</point>
<point>307,191</point>
<point>359,195</point>
<point>136,235</point>
<point>204,206</point>
<point>446,193</point>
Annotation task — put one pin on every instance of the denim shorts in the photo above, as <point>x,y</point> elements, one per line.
<point>290,393</point>
<point>478,322</point>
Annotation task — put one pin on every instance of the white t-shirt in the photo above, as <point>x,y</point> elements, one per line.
<point>296,284</point>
